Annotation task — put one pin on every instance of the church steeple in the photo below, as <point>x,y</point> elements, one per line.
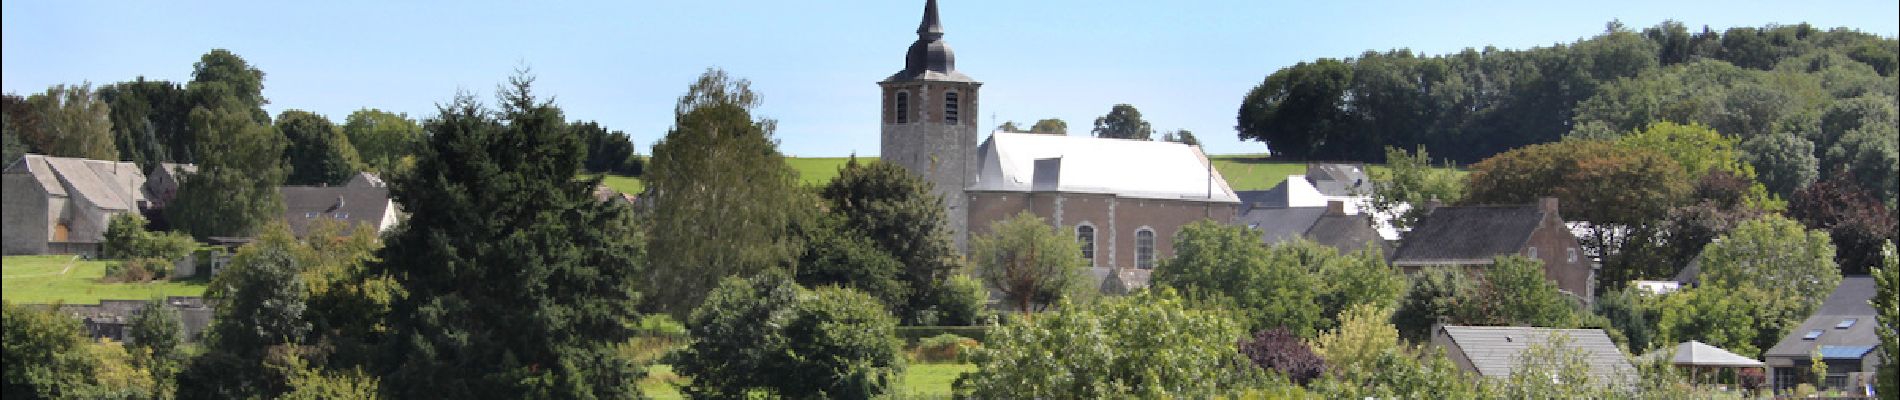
<point>930,29</point>
<point>929,57</point>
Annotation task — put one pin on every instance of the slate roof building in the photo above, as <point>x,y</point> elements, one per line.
<point>1497,351</point>
<point>1843,331</point>
<point>1323,183</point>
<point>1123,199</point>
<point>1329,225</point>
<point>364,199</point>
<point>1471,236</point>
<point>164,180</point>
<point>63,205</point>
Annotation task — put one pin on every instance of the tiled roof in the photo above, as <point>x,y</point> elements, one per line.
<point>1470,235</point>
<point>1495,351</point>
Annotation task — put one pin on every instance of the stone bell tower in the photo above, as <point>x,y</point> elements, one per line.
<point>930,120</point>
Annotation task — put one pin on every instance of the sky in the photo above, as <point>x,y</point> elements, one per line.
<point>1184,64</point>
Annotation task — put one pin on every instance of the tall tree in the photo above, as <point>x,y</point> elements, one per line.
<point>1052,126</point>
<point>1785,162</point>
<point>608,151</point>
<point>896,211</point>
<point>1886,294</point>
<point>1784,269</point>
<point>1270,287</point>
<point>148,119</point>
<point>541,278</point>
<point>1123,122</point>
<point>719,192</point>
<point>45,355</point>
<point>383,139</point>
<point>1621,191</point>
<point>318,152</point>
<point>74,122</point>
<point>262,302</point>
<point>1029,262</point>
<point>239,156</point>
<point>1855,221</point>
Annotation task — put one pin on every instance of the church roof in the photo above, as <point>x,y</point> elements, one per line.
<point>1021,162</point>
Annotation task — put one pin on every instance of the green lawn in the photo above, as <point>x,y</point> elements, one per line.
<point>47,279</point>
<point>920,381</point>
<point>624,184</point>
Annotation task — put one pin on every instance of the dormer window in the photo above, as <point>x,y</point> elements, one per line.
<point>900,103</point>
<point>950,108</point>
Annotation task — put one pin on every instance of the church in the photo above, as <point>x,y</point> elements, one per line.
<point>1124,200</point>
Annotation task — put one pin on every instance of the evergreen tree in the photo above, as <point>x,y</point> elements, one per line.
<point>148,120</point>
<point>519,282</point>
<point>317,151</point>
<point>896,210</point>
<point>722,198</point>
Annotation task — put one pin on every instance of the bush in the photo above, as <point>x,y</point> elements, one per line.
<point>135,270</point>
<point>126,238</point>
<point>1279,351</point>
<point>945,348</point>
<point>916,334</point>
<point>963,301</point>
<point>766,334</point>
<point>1145,345</point>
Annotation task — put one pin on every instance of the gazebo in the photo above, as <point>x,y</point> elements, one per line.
<point>1698,357</point>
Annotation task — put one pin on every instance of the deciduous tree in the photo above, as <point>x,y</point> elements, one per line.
<point>1151,344</point>
<point>318,152</point>
<point>1123,122</point>
<point>1029,262</point>
<point>74,122</point>
<point>383,139</point>
<point>1052,126</point>
<point>239,156</point>
<point>1409,182</point>
<point>1856,223</point>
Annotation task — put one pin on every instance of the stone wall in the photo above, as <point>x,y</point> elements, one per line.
<point>25,221</point>
<point>926,144</point>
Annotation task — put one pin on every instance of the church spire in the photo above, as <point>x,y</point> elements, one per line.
<point>930,29</point>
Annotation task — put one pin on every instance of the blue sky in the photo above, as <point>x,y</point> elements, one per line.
<point>1184,64</point>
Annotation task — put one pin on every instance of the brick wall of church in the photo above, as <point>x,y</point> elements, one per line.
<point>1115,219</point>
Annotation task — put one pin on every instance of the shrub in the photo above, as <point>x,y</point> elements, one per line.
<point>1145,345</point>
<point>766,334</point>
<point>142,269</point>
<point>1279,351</point>
<point>126,238</point>
<point>945,348</point>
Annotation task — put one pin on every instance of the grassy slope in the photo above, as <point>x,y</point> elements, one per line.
<point>920,381</point>
<point>1242,171</point>
<point>38,279</point>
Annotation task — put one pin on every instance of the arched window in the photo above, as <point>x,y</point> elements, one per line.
<point>900,103</point>
<point>1085,234</point>
<point>950,108</point>
<point>1145,248</point>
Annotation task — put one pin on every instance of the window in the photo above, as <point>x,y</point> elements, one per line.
<point>1572,254</point>
<point>1812,335</point>
<point>950,108</point>
<point>1145,248</point>
<point>1846,323</point>
<point>900,102</point>
<point>1085,235</point>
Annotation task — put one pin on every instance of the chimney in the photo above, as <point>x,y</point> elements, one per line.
<point>1335,207</point>
<point>339,201</point>
<point>1547,204</point>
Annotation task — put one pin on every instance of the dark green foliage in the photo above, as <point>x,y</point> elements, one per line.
<point>383,139</point>
<point>1886,294</point>
<point>1629,313</point>
<point>44,355</point>
<point>962,301</point>
<point>1123,122</point>
<point>1784,162</point>
<point>608,151</point>
<point>1510,292</point>
<point>1433,295</point>
<point>840,256</point>
<point>148,120</point>
<point>895,210</point>
<point>318,152</point>
<point>1181,136</point>
<point>1280,351</point>
<point>158,331</point>
<point>519,283</point>
<point>72,121</point>
<point>766,334</point>
<point>1299,285</point>
<point>126,239</point>
<point>1408,182</point>
<point>722,198</point>
<point>262,299</point>
<point>1856,223</point>
<point>1051,126</point>
<point>239,156</point>
<point>14,147</point>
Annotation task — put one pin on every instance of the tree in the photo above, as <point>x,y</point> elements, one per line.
<point>1717,315</point>
<point>1051,126</point>
<point>1400,191</point>
<point>1010,126</point>
<point>1350,280</point>
<point>1552,369</point>
<point>1622,192</point>
<point>1181,136</point>
<point>14,147</point>
<point>383,139</point>
<point>1632,312</point>
<point>262,304</point>
<point>1786,162</point>
<point>718,188</point>
<point>768,334</point>
<point>1872,154</point>
<point>1296,109</point>
<point>148,120</point>
<point>1361,338</point>
<point>1782,268</point>
<point>239,156</point>
<point>1028,262</point>
<point>1886,294</point>
<point>157,333</point>
<point>1510,292</point>
<point>73,122</point>
<point>1434,295</point>
<point>608,151</point>
<point>542,277</point>
<point>836,255</point>
<point>1279,351</point>
<point>1267,287</point>
<point>45,355</point>
<point>1123,122</point>
<point>1855,221</point>
<point>1695,147</point>
<point>318,152</point>
<point>1150,344</point>
<point>896,210</point>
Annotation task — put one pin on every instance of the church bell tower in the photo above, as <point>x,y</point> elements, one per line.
<point>930,120</point>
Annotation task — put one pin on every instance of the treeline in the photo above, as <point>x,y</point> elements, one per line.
<point>1773,82</point>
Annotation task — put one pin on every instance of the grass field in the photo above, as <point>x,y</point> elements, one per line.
<point>1242,171</point>
<point>48,279</point>
<point>929,381</point>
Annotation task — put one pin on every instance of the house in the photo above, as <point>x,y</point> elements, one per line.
<point>364,199</point>
<point>1472,236</point>
<point>1497,351</point>
<point>1330,225</point>
<point>1842,331</point>
<point>1123,199</point>
<point>1323,183</point>
<point>64,205</point>
<point>163,182</point>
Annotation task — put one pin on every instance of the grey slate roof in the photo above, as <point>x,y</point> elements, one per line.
<point>110,185</point>
<point>304,205</point>
<point>1270,198</point>
<point>1494,350</point>
<point>1348,233</point>
<point>1848,301</point>
<point>1334,179</point>
<point>1469,235</point>
<point>1281,224</point>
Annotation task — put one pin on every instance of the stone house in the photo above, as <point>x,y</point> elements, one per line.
<point>1497,351</point>
<point>1323,184</point>
<point>1330,225</point>
<point>63,205</point>
<point>1842,331</point>
<point>1471,236</point>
